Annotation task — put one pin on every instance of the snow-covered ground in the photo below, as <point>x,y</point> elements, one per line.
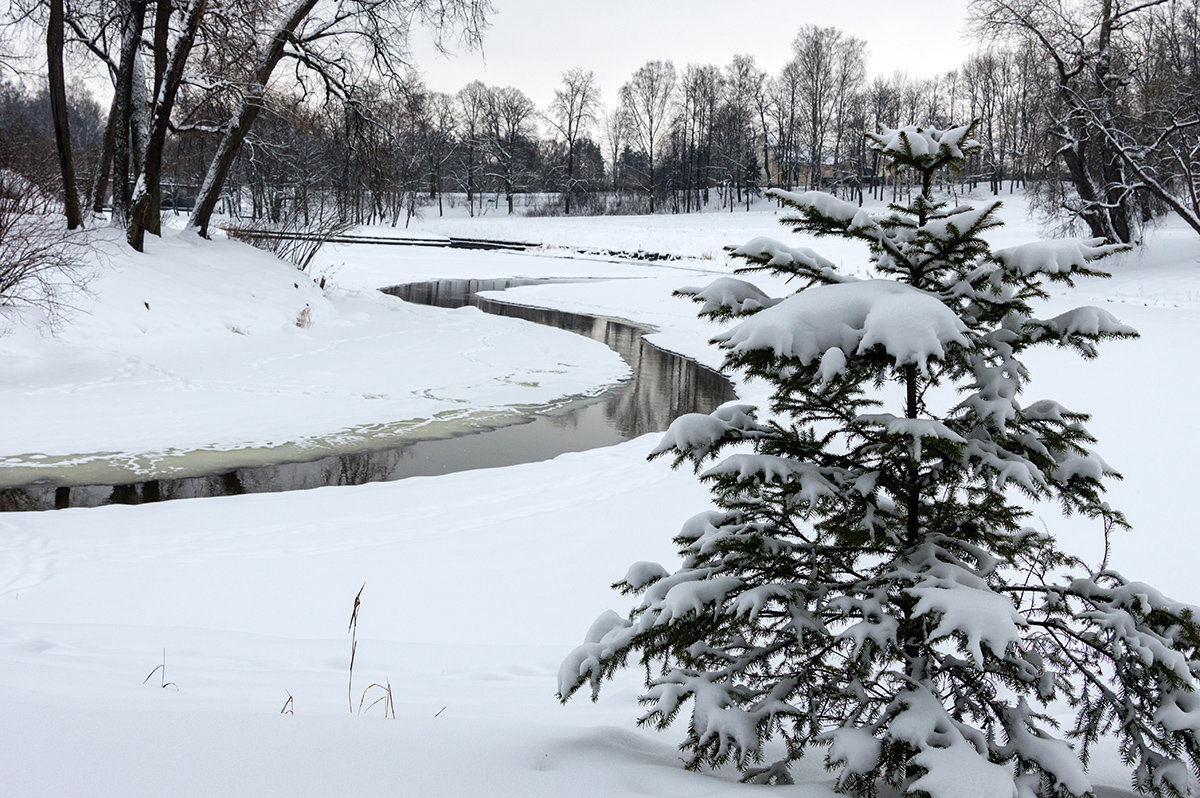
<point>202,347</point>
<point>476,583</point>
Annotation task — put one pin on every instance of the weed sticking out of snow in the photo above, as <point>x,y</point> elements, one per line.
<point>161,670</point>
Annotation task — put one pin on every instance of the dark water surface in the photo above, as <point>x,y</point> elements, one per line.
<point>663,386</point>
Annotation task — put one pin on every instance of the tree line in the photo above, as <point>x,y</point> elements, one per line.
<point>308,109</point>
<point>195,66</point>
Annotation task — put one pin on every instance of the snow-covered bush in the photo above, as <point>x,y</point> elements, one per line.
<point>868,582</point>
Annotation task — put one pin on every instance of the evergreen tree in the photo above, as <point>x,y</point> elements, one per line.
<point>868,582</point>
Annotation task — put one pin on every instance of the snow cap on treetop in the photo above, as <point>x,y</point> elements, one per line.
<point>925,148</point>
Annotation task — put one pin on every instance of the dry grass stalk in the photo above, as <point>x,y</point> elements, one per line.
<point>353,630</point>
<point>389,705</point>
<point>162,671</point>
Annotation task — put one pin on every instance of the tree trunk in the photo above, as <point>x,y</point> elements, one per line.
<point>570,172</point>
<point>133,12</point>
<point>651,180</point>
<point>100,182</point>
<point>58,110</point>
<point>144,213</point>
<point>162,30</point>
<point>239,125</point>
<point>1112,169</point>
<point>470,179</point>
<point>139,116</point>
<point>1093,217</point>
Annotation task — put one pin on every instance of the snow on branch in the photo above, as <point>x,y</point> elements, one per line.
<point>1123,611</point>
<point>806,481</point>
<point>1056,257</point>
<point>727,297</point>
<point>697,436</point>
<point>644,573</point>
<point>960,222</point>
<point>770,254</point>
<point>825,209</point>
<point>1079,329</point>
<point>855,749</point>
<point>950,768</point>
<point>608,635</point>
<point>911,325</point>
<point>1089,321</point>
<point>915,428</point>
<point>963,603</point>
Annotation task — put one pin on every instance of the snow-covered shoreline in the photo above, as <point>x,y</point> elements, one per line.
<point>202,347</point>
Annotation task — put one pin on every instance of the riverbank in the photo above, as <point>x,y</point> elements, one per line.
<point>202,355</point>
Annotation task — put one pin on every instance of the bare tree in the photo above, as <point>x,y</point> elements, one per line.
<point>574,108</point>
<point>508,120</point>
<point>615,129</point>
<point>849,77</point>
<point>131,16</point>
<point>1083,39</point>
<point>441,146</point>
<point>784,92</point>
<point>646,99</point>
<point>39,261</point>
<point>743,82</point>
<point>473,101</point>
<point>146,200</point>
<point>814,49</point>
<point>830,66</point>
<point>329,42</point>
<point>700,93</point>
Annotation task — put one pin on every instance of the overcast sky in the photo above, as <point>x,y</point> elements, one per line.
<point>532,42</point>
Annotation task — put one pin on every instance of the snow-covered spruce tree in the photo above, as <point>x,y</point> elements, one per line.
<point>869,582</point>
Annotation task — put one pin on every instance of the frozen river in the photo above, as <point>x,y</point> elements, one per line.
<point>663,385</point>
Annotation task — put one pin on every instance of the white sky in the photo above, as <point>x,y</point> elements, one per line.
<point>532,42</point>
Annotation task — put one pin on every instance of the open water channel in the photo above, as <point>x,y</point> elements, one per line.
<point>663,385</point>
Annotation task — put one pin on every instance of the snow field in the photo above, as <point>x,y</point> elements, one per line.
<point>477,583</point>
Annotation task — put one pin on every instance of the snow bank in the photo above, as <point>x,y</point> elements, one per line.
<point>212,345</point>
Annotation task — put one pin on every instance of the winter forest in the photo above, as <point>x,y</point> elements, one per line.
<point>828,427</point>
<point>1092,106</point>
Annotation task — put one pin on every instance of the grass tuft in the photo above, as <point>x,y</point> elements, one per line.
<point>162,671</point>
<point>353,630</point>
<point>389,705</point>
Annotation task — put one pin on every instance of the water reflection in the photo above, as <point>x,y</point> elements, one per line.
<point>662,387</point>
